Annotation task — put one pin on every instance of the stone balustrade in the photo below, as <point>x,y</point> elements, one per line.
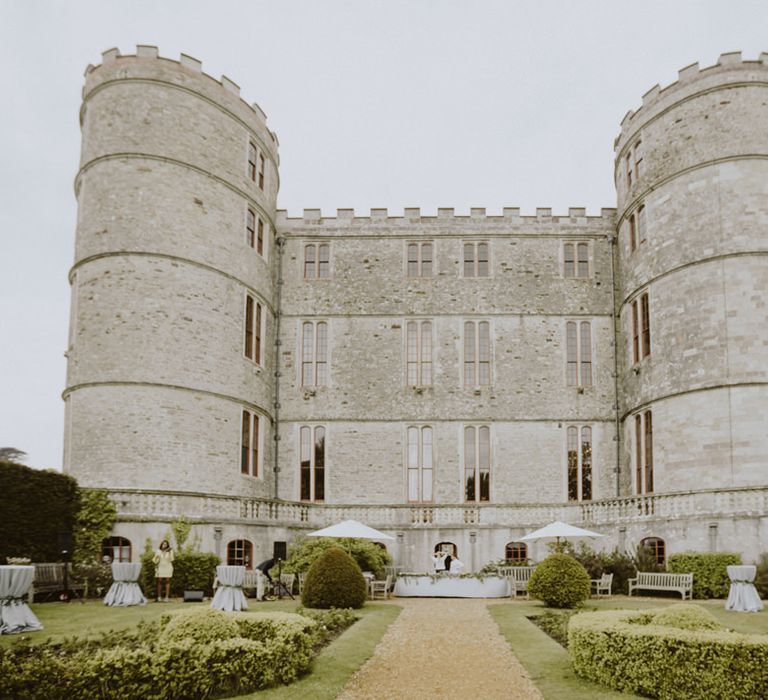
<point>140,505</point>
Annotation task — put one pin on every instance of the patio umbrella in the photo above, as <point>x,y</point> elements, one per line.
<point>558,530</point>
<point>350,528</point>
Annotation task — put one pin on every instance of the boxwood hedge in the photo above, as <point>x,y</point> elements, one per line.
<point>628,651</point>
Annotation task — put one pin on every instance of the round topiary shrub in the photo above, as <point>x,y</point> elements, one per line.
<point>334,581</point>
<point>560,581</point>
<point>199,626</point>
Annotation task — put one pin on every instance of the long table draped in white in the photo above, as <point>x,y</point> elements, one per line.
<point>448,586</point>
<point>229,595</point>
<point>743,595</point>
<point>125,589</point>
<point>15,615</point>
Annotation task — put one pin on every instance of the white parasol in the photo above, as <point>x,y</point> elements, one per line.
<point>350,528</point>
<point>559,530</point>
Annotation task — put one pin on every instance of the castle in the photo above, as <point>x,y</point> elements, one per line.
<point>447,379</point>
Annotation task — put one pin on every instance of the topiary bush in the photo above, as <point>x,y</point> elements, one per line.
<point>710,576</point>
<point>369,556</point>
<point>631,652</point>
<point>560,582</point>
<point>202,625</point>
<point>334,581</point>
<point>685,616</point>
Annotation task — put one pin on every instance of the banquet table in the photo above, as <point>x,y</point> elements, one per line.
<point>125,589</point>
<point>229,595</point>
<point>15,615</point>
<point>743,595</point>
<point>448,586</point>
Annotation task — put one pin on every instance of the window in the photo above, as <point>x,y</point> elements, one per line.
<point>250,228</point>
<point>317,261</point>
<point>633,163</point>
<point>477,463</point>
<point>240,553</point>
<point>314,353</point>
<point>116,548</point>
<point>477,353</point>
<point>253,330</point>
<point>516,552</point>
<point>252,159</point>
<point>641,328</point>
<point>656,549</point>
<point>476,259</point>
<point>420,259</point>
<point>637,228</point>
<point>578,350</point>
<point>447,547</point>
<point>576,260</point>
<point>262,163</point>
<point>250,442</point>
<point>579,463</point>
<point>419,353</point>
<point>420,464</point>
<point>644,453</point>
<point>312,463</point>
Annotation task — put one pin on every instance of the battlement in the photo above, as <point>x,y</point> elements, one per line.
<point>188,63</point>
<point>312,219</point>
<point>657,97</point>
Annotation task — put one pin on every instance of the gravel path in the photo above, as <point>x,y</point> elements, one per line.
<point>441,648</point>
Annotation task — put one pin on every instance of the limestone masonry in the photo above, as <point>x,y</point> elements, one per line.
<point>455,380</point>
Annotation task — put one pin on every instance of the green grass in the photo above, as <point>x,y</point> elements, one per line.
<point>547,662</point>
<point>330,672</point>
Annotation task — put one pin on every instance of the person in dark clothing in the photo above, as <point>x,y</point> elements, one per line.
<point>265,566</point>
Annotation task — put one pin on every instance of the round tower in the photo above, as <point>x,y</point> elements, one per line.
<point>171,352</point>
<point>691,174</point>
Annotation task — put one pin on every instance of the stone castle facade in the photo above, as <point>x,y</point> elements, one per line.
<point>446,378</point>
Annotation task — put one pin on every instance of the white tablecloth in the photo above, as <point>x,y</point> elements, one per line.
<point>15,615</point>
<point>743,595</point>
<point>229,595</point>
<point>125,589</point>
<point>451,587</point>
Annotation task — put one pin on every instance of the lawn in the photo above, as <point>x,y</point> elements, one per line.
<point>548,663</point>
<point>330,673</point>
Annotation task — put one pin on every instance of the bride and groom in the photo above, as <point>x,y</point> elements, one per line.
<point>443,562</point>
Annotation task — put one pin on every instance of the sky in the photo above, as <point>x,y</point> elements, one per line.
<point>396,103</point>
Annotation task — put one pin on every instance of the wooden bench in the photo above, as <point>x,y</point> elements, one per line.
<point>518,577</point>
<point>660,581</point>
<point>49,580</point>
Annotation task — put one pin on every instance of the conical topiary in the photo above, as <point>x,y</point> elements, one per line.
<point>334,581</point>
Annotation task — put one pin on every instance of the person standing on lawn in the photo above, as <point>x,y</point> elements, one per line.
<point>163,561</point>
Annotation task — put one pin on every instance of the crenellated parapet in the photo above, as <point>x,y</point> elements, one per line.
<point>446,221</point>
<point>730,69</point>
<point>185,74</point>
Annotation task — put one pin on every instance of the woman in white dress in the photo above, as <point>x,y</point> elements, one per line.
<point>456,566</point>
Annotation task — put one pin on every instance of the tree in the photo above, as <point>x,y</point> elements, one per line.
<point>11,454</point>
<point>93,522</point>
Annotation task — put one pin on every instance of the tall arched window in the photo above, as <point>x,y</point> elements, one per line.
<point>116,548</point>
<point>516,552</point>
<point>657,549</point>
<point>477,463</point>
<point>579,463</point>
<point>419,464</point>
<point>312,463</point>
<point>240,553</point>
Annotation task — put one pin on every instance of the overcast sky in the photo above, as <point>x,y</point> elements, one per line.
<point>398,103</point>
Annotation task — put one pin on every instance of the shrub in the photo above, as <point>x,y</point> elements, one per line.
<point>710,576</point>
<point>560,581</point>
<point>93,522</point>
<point>202,625</point>
<point>761,577</point>
<point>685,616</point>
<point>38,507</point>
<point>97,575</point>
<point>191,571</point>
<point>621,565</point>
<point>334,581</point>
<point>329,623</point>
<point>304,552</point>
<point>621,649</point>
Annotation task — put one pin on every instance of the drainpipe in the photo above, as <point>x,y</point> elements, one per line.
<point>278,313</point>
<point>613,240</point>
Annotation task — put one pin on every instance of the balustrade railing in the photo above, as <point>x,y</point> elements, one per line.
<point>169,505</point>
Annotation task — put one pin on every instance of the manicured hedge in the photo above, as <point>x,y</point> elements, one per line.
<point>710,576</point>
<point>38,507</point>
<point>560,581</point>
<point>191,571</point>
<point>334,581</point>
<point>193,654</point>
<point>628,651</point>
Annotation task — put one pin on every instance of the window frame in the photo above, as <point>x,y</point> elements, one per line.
<point>643,453</point>
<point>516,548</point>
<point>657,547</point>
<point>472,461</point>
<point>251,164</point>
<point>311,471</point>
<point>576,473</point>
<point>317,268</point>
<point>117,543</point>
<point>251,444</point>
<point>640,326</point>
<point>476,364</point>
<point>575,348</point>
<point>241,554</point>
<point>420,260</point>
<point>476,262</point>
<point>254,329</point>
<point>576,247</point>
<point>420,465</point>
<point>319,358</point>
<point>422,365</point>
